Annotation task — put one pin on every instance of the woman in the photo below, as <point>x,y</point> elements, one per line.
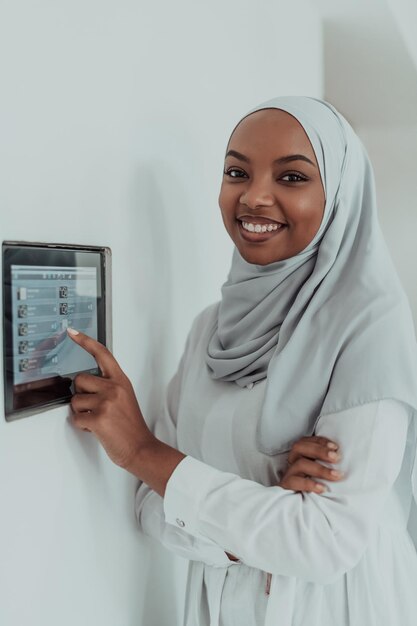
<point>313,336</point>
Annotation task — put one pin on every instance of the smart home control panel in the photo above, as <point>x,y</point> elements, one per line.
<point>48,288</point>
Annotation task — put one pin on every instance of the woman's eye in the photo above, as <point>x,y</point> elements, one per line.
<point>293,178</point>
<point>233,172</point>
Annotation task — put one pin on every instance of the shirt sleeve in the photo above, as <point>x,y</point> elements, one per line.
<point>315,537</point>
<point>149,505</point>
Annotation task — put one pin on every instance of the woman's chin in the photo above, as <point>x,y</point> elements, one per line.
<point>259,257</point>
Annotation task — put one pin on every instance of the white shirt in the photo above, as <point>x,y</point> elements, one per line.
<point>337,559</point>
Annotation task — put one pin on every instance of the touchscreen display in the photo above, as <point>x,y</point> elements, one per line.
<point>45,302</point>
<point>47,289</point>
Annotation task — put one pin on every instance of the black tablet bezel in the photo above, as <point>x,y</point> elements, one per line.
<point>34,397</point>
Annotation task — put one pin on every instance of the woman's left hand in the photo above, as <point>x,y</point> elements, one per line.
<point>304,465</point>
<point>107,406</point>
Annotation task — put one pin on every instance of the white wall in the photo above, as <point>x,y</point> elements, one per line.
<point>370,75</point>
<point>405,13</point>
<point>393,152</point>
<point>114,119</point>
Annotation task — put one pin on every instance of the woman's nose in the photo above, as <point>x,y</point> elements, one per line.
<point>257,194</point>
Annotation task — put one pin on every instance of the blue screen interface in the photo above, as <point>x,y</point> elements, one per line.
<point>45,302</point>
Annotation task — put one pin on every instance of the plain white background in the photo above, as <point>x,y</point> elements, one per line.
<point>114,120</point>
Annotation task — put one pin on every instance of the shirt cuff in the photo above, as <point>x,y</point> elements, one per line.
<point>185,490</point>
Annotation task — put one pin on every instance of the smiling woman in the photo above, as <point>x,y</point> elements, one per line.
<point>267,198</point>
<point>308,361</point>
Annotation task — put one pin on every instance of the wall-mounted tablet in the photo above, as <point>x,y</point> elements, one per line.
<point>48,288</point>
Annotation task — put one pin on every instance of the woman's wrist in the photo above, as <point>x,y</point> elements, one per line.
<point>154,463</point>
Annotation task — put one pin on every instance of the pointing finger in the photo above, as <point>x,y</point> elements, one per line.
<point>105,360</point>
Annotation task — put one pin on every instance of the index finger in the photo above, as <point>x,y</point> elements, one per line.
<point>105,360</point>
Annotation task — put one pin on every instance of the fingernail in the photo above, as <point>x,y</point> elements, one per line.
<point>72,331</point>
<point>333,456</point>
<point>336,473</point>
<point>332,446</point>
<point>320,488</point>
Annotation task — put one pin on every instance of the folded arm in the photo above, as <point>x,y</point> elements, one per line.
<point>310,536</point>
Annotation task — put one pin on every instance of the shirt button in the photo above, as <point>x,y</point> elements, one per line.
<point>180,522</point>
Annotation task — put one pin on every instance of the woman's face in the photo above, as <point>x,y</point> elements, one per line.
<point>271,198</point>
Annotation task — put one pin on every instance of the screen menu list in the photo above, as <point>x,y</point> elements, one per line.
<point>45,302</point>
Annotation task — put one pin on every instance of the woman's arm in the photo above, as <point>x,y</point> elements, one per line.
<point>107,406</point>
<point>149,506</point>
<point>310,536</point>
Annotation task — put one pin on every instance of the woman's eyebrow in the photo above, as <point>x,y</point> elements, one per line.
<point>238,155</point>
<point>284,159</point>
<point>294,157</point>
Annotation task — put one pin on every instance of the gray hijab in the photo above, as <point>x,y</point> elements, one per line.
<point>331,327</point>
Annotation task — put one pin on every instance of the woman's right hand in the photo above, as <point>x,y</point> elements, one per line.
<point>304,465</point>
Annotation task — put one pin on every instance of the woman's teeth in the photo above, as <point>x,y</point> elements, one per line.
<point>260,228</point>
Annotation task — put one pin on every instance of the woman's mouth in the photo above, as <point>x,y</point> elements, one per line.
<point>256,232</point>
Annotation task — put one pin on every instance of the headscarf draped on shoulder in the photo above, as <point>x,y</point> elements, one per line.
<point>331,327</point>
